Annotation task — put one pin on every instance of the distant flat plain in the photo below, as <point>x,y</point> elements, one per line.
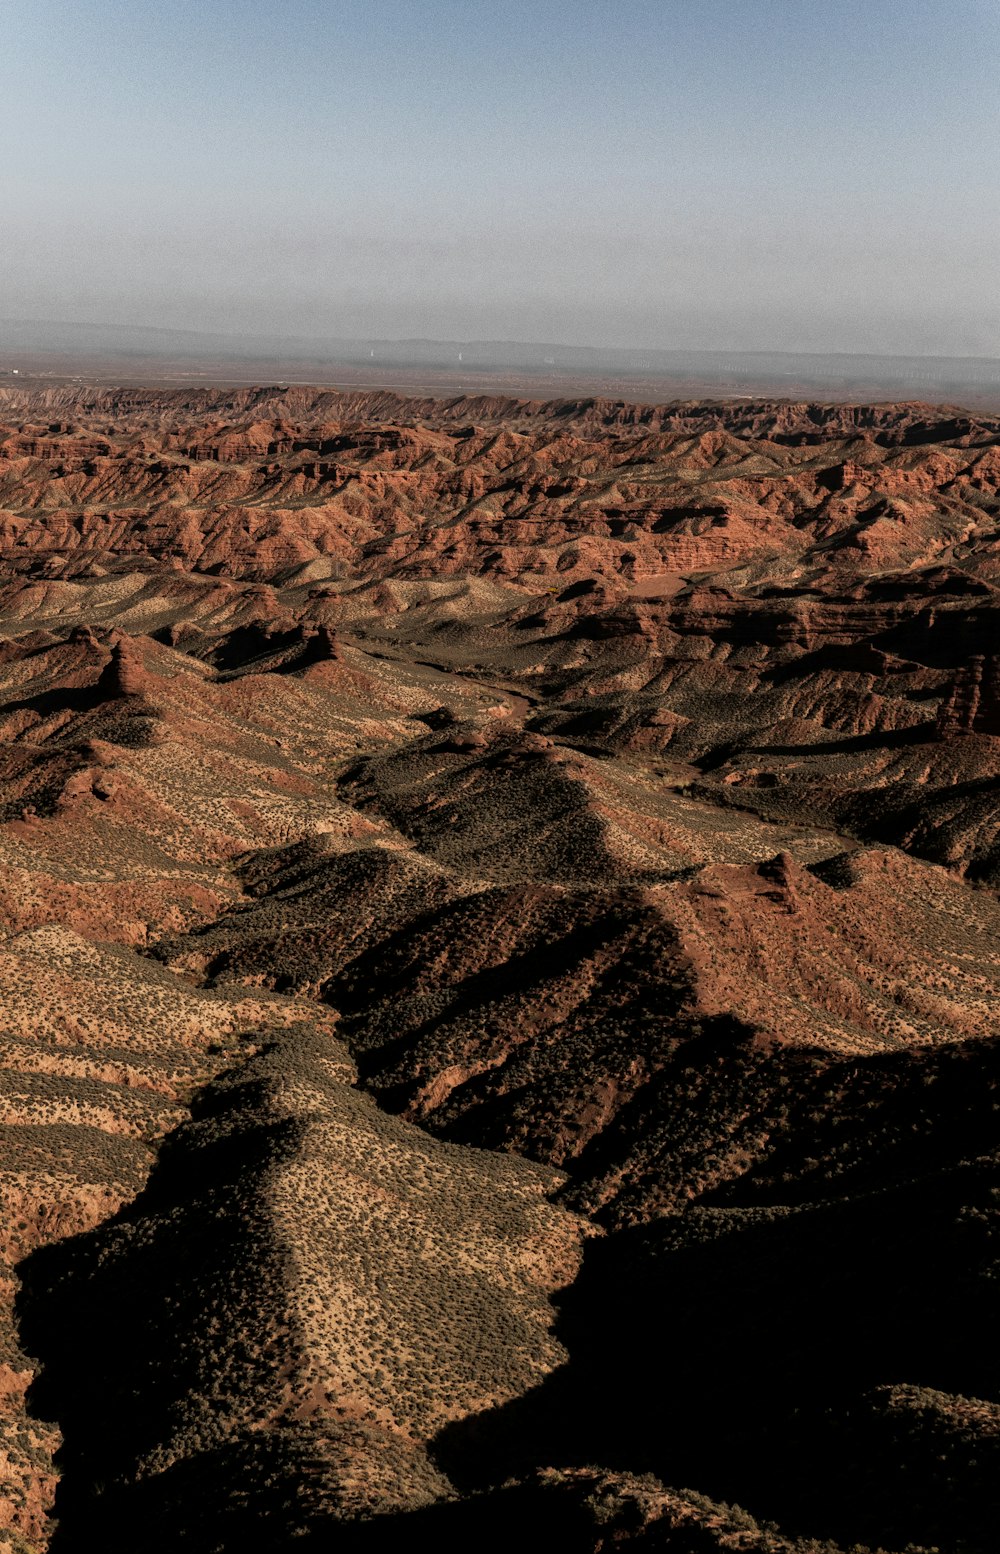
<point>48,355</point>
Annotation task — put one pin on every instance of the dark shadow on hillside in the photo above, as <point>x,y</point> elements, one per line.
<point>911,813</point>
<point>851,744</point>
<point>125,1318</point>
<point>62,698</point>
<point>389,966</point>
<point>812,1363</point>
<point>516,1516</point>
<point>807,1364</point>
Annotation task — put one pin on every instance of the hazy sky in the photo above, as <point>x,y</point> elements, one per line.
<point>798,174</point>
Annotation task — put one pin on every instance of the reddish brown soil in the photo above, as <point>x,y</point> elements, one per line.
<point>500,968</point>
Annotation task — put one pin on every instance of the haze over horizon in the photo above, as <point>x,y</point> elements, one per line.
<point>768,177</point>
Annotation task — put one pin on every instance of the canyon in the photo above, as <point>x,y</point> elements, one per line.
<point>501,960</point>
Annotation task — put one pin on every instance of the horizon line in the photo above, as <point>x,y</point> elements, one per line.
<point>370,341</point>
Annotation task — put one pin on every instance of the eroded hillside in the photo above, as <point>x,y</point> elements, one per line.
<point>501,971</point>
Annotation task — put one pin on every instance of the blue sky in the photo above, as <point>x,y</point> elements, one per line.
<point>797,174</point>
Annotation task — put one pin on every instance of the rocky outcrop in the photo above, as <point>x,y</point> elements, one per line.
<point>125,677</point>
<point>972,704</point>
<point>320,646</point>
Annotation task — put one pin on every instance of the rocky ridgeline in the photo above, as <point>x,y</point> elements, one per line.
<point>905,421</point>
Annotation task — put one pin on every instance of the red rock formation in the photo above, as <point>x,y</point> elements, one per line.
<point>972,705</point>
<point>321,647</point>
<point>125,676</point>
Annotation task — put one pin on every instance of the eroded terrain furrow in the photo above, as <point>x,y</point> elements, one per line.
<point>499,974</point>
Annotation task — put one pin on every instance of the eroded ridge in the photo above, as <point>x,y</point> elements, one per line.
<point>304,1295</point>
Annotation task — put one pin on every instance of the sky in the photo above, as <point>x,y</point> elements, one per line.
<point>814,175</point>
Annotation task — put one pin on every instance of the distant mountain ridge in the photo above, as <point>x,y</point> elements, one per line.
<point>930,374</point>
